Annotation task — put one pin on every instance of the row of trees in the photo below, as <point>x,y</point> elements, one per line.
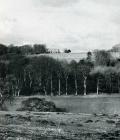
<point>23,50</point>
<point>21,75</point>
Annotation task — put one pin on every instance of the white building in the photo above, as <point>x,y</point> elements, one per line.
<point>53,51</point>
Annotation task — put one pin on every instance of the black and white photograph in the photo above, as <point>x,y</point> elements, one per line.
<point>59,69</point>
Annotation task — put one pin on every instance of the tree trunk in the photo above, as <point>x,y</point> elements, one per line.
<point>18,93</point>
<point>1,95</point>
<point>45,91</point>
<point>118,85</point>
<point>30,80</point>
<point>85,79</point>
<point>51,86</point>
<point>59,92</point>
<point>40,81</point>
<point>76,93</point>
<point>66,87</point>
<point>98,86</point>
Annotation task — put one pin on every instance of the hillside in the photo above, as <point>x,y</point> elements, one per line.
<point>64,56</point>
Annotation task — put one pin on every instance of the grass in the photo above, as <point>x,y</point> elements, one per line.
<point>89,104</point>
<point>88,118</point>
<point>68,126</point>
<point>64,56</point>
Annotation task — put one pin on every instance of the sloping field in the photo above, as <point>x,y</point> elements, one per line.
<point>64,56</point>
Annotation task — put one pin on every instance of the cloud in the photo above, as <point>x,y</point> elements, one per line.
<point>74,24</point>
<point>55,3</point>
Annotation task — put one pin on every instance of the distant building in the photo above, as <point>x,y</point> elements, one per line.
<point>53,51</point>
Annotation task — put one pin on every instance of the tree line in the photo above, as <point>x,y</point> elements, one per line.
<point>21,75</point>
<point>23,50</point>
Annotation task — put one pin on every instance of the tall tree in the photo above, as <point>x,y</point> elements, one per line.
<point>66,71</point>
<point>117,68</point>
<point>89,56</point>
<point>85,68</point>
<point>59,75</point>
<point>102,57</point>
<point>3,49</point>
<point>39,48</point>
<point>98,71</point>
<point>17,68</point>
<point>74,70</point>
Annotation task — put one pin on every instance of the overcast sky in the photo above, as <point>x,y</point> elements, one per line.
<point>80,25</point>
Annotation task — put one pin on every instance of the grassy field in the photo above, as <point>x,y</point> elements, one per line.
<point>87,118</point>
<point>58,126</point>
<point>64,56</point>
<point>79,104</point>
<point>89,104</point>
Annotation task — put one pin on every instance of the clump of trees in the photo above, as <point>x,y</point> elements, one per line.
<point>21,75</point>
<point>23,50</point>
<point>67,51</point>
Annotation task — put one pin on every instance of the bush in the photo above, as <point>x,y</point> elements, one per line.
<point>38,105</point>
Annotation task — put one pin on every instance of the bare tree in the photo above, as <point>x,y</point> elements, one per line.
<point>85,68</point>
<point>66,71</point>
<point>59,75</point>
<point>74,69</point>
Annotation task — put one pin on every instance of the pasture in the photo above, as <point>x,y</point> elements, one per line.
<point>64,56</point>
<point>78,104</point>
<point>88,117</point>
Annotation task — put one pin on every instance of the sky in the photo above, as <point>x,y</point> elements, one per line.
<point>79,25</point>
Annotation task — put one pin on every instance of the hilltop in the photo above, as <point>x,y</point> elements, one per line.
<point>64,56</point>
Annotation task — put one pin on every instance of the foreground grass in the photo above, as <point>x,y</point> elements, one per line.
<point>58,126</point>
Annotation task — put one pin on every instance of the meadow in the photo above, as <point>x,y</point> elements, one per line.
<point>89,104</point>
<point>88,117</point>
<point>64,56</point>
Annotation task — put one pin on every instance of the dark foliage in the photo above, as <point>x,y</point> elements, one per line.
<point>47,76</point>
<point>38,105</point>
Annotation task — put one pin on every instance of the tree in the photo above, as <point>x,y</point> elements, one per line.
<point>3,70</point>
<point>14,49</point>
<point>66,71</point>
<point>59,75</point>
<point>16,67</point>
<point>5,91</point>
<point>110,73</point>
<point>117,68</point>
<point>85,68</point>
<point>38,72</point>
<point>39,48</point>
<point>67,51</point>
<point>26,49</point>
<point>89,57</point>
<point>52,70</point>
<point>46,67</point>
<point>98,71</point>
<point>3,49</point>
<point>102,58</point>
<point>29,77</point>
<point>74,70</point>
